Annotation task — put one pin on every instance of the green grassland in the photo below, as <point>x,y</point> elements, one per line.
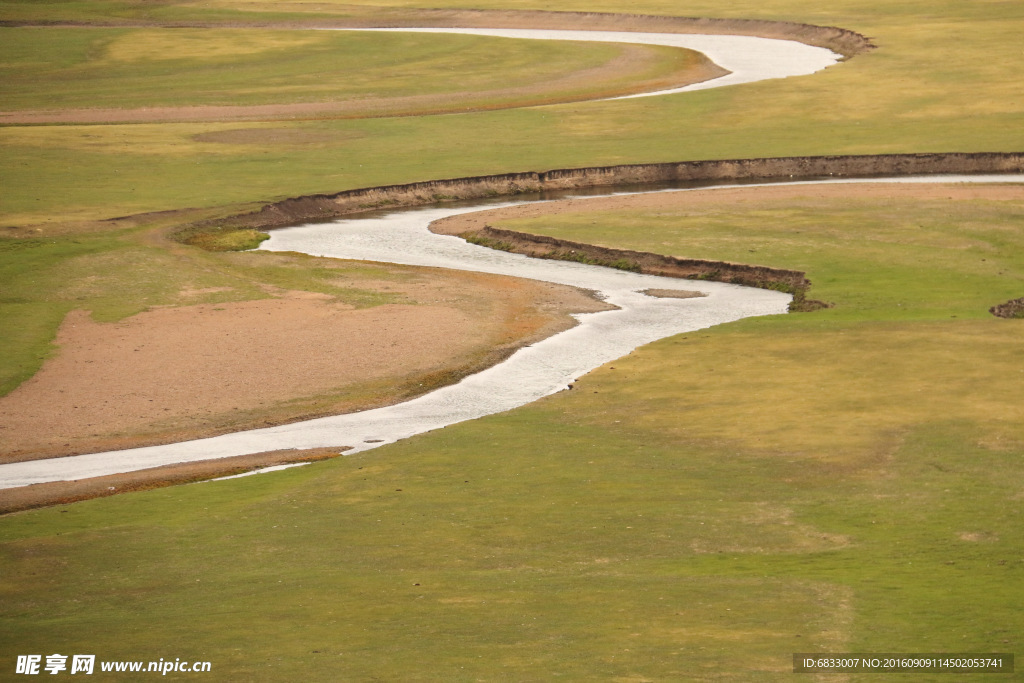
<point>847,480</point>
<point>909,338</point>
<point>878,257</point>
<point>942,80</point>
<point>125,68</point>
<point>840,481</point>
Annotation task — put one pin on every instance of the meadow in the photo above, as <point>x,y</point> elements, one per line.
<point>846,480</point>
<point>145,68</point>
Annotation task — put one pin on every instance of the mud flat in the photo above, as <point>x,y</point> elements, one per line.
<point>185,372</point>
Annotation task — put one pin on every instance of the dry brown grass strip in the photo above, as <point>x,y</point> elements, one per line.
<point>63,492</point>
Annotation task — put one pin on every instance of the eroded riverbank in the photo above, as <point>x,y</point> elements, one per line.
<point>538,370</point>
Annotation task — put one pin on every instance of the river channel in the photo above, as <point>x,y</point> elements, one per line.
<point>531,373</point>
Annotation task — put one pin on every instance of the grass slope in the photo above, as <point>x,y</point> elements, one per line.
<point>601,550</point>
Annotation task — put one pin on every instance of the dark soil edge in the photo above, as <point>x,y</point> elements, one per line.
<point>326,207</point>
<point>793,282</point>
<point>323,207</point>
<point>64,492</point>
<point>1012,309</point>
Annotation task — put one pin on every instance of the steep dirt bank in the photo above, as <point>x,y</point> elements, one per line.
<point>542,246</point>
<point>325,207</point>
<point>1011,309</point>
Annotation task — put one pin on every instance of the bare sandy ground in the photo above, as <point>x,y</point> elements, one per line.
<point>170,374</point>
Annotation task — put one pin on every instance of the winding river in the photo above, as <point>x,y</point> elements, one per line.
<point>747,58</point>
<point>533,372</point>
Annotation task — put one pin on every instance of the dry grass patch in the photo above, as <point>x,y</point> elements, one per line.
<point>831,395</point>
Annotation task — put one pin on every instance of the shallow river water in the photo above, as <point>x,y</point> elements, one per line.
<point>533,372</point>
<point>747,58</point>
<point>539,370</point>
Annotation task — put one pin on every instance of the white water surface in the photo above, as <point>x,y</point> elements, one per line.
<point>747,58</point>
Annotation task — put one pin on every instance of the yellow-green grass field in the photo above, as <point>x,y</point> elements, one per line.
<point>840,481</point>
<point>942,79</point>
<point>47,69</point>
<point>908,340</point>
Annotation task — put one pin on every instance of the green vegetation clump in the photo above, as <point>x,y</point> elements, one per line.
<point>579,257</point>
<point>227,239</point>
<point>488,242</point>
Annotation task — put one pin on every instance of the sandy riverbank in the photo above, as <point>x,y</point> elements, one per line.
<point>172,374</point>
